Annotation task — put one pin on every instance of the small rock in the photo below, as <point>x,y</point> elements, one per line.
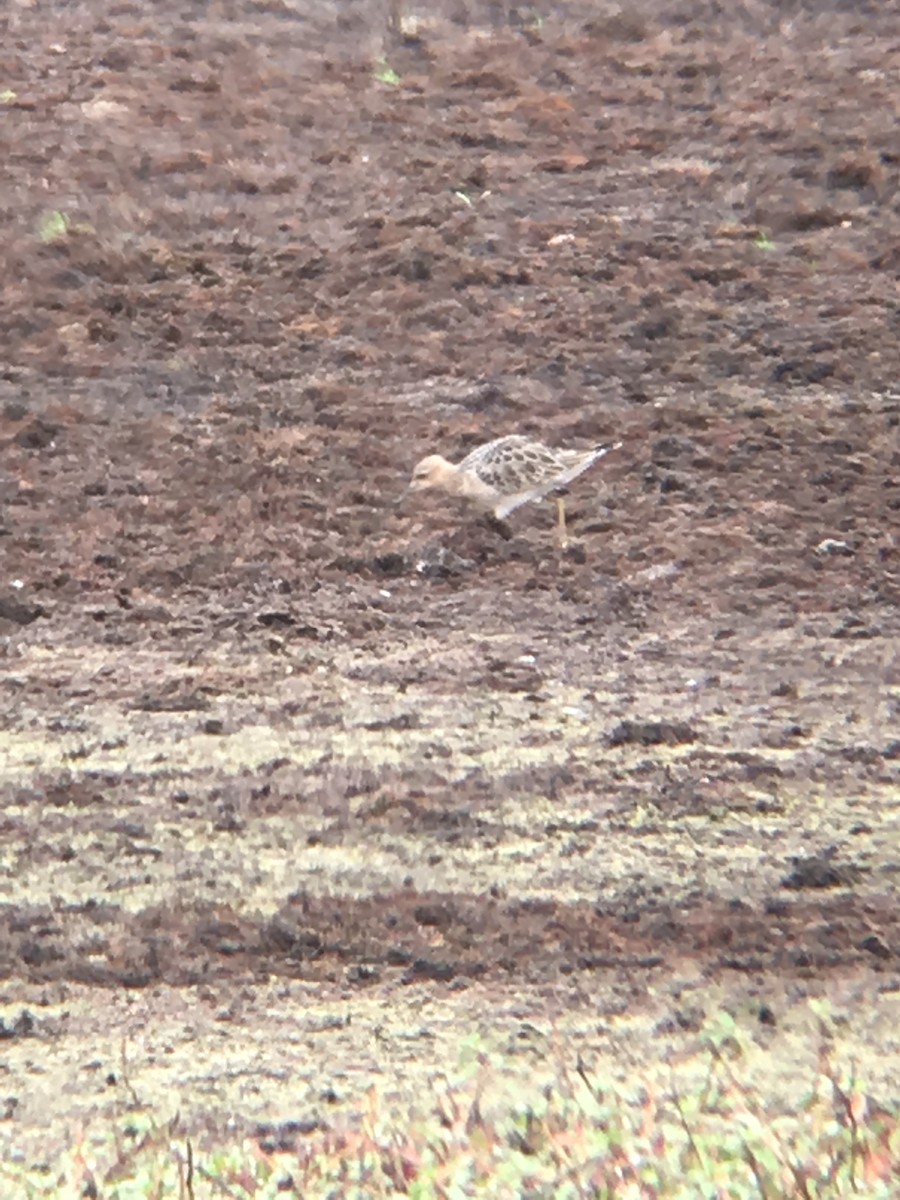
<point>275,619</point>
<point>12,609</point>
<point>427,968</point>
<point>436,915</point>
<point>22,1026</point>
<point>37,435</point>
<point>833,546</point>
<point>652,733</point>
<point>788,690</point>
<point>820,871</point>
<point>437,562</point>
<point>876,946</point>
<point>392,565</point>
<point>853,626</point>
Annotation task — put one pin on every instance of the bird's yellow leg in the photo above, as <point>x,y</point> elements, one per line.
<point>561,523</point>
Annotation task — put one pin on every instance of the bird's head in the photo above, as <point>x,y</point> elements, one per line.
<point>432,472</point>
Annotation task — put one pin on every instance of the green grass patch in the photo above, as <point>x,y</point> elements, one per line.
<point>384,73</point>
<point>54,227</point>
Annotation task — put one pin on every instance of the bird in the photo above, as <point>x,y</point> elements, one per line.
<point>506,473</point>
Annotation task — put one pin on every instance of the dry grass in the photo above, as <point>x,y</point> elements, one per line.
<point>483,1134</point>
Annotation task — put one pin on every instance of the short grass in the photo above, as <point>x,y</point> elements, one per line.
<point>487,1133</point>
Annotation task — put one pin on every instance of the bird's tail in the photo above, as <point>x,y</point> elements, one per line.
<point>584,459</point>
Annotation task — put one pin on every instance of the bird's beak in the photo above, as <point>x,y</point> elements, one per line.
<point>402,497</point>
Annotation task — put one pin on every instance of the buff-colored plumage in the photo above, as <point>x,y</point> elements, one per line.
<point>506,473</point>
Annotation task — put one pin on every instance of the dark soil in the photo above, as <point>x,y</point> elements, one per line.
<point>259,720</point>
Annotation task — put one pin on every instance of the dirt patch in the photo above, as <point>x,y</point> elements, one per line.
<point>259,721</point>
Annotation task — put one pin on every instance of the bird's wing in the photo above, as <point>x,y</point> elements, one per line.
<point>511,503</point>
<point>557,479</point>
<point>482,455</point>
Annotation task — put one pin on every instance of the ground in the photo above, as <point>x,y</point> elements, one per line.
<point>303,788</point>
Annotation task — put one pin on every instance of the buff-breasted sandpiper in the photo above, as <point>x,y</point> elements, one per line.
<point>506,473</point>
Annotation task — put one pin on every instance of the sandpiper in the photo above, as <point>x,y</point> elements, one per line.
<point>506,473</point>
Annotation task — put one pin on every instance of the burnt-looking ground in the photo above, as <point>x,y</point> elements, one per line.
<point>261,723</point>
